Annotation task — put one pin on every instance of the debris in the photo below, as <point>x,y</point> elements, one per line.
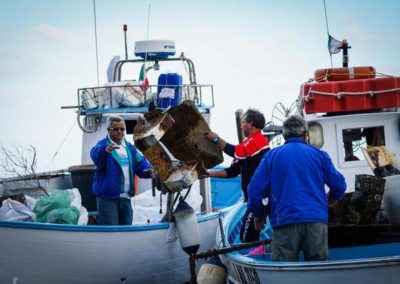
<point>174,144</point>
<point>382,161</point>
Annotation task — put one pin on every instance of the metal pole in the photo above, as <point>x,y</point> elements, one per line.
<point>192,265</point>
<point>221,228</point>
<point>217,252</point>
<point>126,47</point>
<point>238,118</point>
<point>95,38</point>
<point>345,48</point>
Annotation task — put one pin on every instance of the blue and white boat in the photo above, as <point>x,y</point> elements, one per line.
<point>146,252</point>
<point>347,109</point>
<point>368,263</point>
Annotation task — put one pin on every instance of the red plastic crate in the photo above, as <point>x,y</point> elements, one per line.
<point>314,103</point>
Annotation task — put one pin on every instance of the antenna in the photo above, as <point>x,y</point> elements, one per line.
<point>327,29</point>
<point>148,23</point>
<point>147,38</point>
<point>126,47</point>
<point>95,38</point>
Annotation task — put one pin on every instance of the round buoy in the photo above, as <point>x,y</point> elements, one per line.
<point>212,272</point>
<point>187,227</point>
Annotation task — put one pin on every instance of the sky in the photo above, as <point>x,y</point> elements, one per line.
<point>255,53</point>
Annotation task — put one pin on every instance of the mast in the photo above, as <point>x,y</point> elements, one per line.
<point>126,47</point>
<point>345,47</point>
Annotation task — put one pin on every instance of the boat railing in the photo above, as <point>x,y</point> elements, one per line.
<point>133,96</point>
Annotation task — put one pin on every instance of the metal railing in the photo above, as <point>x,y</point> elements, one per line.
<point>131,95</point>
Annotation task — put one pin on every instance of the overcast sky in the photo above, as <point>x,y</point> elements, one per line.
<point>255,53</point>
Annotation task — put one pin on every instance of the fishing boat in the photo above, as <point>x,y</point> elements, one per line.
<point>367,263</point>
<point>347,109</point>
<point>145,252</point>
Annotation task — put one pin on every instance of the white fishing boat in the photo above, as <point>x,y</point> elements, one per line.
<point>347,109</point>
<point>146,252</point>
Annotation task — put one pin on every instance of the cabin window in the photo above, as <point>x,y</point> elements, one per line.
<point>356,138</point>
<point>315,134</point>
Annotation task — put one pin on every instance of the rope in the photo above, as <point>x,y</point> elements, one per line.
<point>181,198</point>
<point>62,143</point>
<point>368,75</point>
<point>341,94</point>
<point>371,93</point>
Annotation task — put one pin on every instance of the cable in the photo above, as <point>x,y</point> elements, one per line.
<point>62,142</point>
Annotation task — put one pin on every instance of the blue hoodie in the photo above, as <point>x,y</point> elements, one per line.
<point>293,176</point>
<point>108,180</point>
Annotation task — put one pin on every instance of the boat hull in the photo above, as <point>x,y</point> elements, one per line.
<point>377,263</point>
<point>374,270</point>
<point>49,253</point>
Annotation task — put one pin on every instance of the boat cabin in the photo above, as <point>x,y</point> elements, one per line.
<point>348,109</point>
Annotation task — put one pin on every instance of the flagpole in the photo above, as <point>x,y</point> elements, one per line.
<point>145,55</point>
<point>327,29</point>
<point>95,38</point>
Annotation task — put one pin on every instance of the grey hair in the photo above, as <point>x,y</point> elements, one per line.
<point>113,118</point>
<point>294,126</point>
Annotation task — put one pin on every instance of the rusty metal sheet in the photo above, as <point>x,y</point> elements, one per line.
<point>185,139</point>
<point>175,145</point>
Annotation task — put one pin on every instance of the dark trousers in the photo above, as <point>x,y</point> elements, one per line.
<point>248,232</point>
<point>115,211</point>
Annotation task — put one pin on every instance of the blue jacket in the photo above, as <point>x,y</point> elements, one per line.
<point>109,180</point>
<point>293,176</point>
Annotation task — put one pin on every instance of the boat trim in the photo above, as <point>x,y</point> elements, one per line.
<point>99,228</point>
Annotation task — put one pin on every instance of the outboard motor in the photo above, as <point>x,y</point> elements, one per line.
<point>187,227</point>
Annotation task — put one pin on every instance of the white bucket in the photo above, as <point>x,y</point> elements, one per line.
<point>391,199</point>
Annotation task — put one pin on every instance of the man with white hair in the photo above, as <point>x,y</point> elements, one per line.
<point>293,178</point>
<point>117,162</point>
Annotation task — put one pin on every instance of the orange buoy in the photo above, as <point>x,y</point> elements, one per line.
<point>344,73</point>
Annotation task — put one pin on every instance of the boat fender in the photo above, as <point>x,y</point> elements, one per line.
<point>212,272</point>
<point>187,227</point>
<point>344,73</point>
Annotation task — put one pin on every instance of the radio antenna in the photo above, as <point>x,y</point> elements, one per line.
<point>95,39</point>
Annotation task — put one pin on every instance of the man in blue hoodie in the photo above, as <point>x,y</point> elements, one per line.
<point>117,162</point>
<point>293,178</point>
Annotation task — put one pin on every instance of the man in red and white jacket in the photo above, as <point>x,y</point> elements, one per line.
<point>247,156</point>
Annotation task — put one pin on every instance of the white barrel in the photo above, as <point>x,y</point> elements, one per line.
<point>187,227</point>
<point>391,199</point>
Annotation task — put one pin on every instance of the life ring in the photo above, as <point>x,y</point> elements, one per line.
<point>344,73</point>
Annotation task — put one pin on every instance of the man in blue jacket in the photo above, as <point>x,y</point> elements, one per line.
<point>293,178</point>
<point>117,162</point>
